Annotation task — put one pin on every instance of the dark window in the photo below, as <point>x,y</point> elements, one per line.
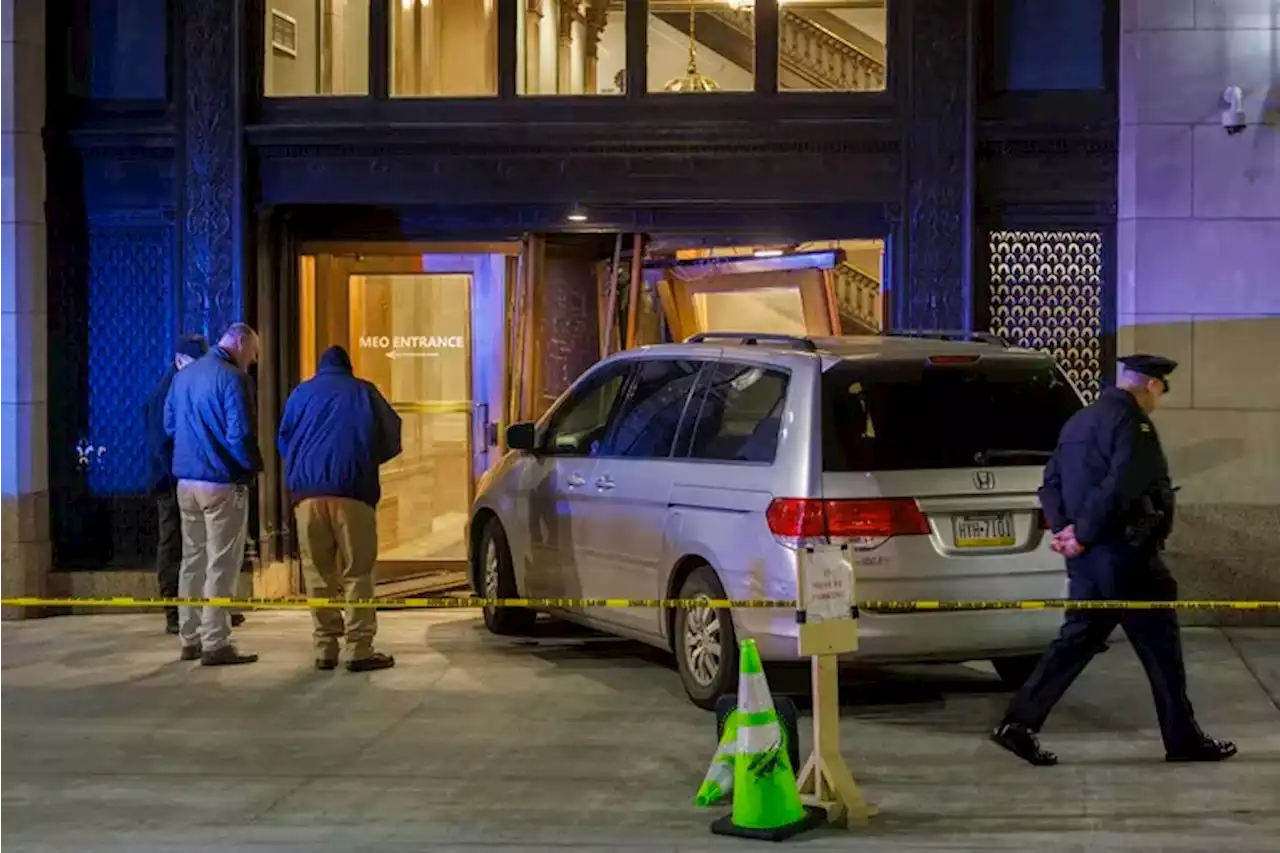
<point>739,416</point>
<point>1048,45</point>
<point>893,416</point>
<point>129,57</point>
<point>645,424</point>
<point>577,428</point>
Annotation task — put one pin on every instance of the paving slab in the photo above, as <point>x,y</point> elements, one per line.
<point>570,742</point>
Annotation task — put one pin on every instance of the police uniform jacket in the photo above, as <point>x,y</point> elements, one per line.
<point>1107,460</point>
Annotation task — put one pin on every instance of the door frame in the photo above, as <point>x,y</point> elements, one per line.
<point>817,297</point>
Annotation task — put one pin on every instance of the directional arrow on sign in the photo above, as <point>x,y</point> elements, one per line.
<point>395,353</point>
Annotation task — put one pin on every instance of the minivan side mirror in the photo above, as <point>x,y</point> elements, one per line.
<point>522,436</point>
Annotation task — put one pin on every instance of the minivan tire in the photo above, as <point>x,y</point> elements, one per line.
<point>1015,671</point>
<point>706,675</point>
<point>496,579</point>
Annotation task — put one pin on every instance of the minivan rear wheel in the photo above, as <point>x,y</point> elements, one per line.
<point>1015,671</point>
<point>498,580</point>
<point>704,642</point>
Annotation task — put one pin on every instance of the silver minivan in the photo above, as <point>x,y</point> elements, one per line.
<point>696,471</point>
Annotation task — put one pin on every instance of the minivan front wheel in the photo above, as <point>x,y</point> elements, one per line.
<point>498,580</point>
<point>704,642</point>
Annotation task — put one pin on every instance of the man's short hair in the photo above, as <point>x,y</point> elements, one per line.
<point>192,346</point>
<point>237,332</point>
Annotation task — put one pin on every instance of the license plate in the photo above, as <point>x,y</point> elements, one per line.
<point>985,531</point>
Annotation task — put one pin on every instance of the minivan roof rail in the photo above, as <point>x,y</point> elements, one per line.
<point>751,339</point>
<point>949,335</point>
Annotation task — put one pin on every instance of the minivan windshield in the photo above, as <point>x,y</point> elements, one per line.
<point>904,415</point>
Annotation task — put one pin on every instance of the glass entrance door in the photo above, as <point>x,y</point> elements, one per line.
<point>410,335</point>
<point>425,324</point>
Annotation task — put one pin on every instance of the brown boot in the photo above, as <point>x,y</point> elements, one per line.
<point>226,656</point>
<point>377,660</point>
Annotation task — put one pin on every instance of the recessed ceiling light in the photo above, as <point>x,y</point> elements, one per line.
<point>577,214</point>
<point>768,253</point>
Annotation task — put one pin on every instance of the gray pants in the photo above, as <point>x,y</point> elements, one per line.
<point>215,519</point>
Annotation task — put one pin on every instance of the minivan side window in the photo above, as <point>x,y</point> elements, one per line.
<point>645,423</point>
<point>578,427</point>
<point>740,415</point>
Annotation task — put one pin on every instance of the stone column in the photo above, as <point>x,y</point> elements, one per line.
<point>564,46</point>
<point>597,18</point>
<point>532,70</point>
<point>1198,237</point>
<point>24,362</point>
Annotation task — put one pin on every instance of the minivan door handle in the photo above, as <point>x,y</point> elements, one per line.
<point>576,480</point>
<point>605,483</point>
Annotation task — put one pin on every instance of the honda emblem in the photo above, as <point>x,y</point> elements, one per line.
<point>984,480</point>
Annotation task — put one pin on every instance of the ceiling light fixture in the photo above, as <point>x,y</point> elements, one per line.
<point>577,214</point>
<point>768,253</point>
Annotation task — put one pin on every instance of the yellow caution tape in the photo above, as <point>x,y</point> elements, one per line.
<point>669,603</point>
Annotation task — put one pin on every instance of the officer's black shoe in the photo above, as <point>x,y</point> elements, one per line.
<point>326,664</point>
<point>190,652</point>
<point>1022,742</point>
<point>1206,750</point>
<point>171,627</point>
<point>237,619</point>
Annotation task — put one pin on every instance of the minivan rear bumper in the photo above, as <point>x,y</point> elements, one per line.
<point>914,637</point>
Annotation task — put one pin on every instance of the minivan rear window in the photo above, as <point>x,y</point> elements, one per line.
<point>904,415</point>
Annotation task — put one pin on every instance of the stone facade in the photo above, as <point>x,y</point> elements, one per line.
<point>1198,253</point>
<point>25,460</point>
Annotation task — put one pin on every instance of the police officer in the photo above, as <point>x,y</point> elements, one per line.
<point>1108,499</point>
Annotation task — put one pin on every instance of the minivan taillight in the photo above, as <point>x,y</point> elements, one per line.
<point>863,524</point>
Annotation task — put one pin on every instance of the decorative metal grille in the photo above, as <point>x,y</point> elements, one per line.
<point>129,346</point>
<point>1046,294</point>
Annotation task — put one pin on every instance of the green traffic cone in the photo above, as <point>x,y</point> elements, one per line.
<point>766,800</point>
<point>718,782</point>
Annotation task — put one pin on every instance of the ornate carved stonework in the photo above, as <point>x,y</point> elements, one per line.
<point>211,297</point>
<point>931,291</point>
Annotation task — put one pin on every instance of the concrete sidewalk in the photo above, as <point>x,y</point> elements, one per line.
<point>477,743</point>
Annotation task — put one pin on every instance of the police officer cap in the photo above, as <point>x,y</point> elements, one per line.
<point>1155,366</point>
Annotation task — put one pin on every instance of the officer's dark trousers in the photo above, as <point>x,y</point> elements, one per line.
<point>1115,573</point>
<point>168,549</point>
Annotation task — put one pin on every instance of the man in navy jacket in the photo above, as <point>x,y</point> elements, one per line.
<point>209,414</point>
<point>160,480</point>
<point>335,432</point>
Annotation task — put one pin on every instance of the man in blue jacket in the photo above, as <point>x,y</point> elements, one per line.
<point>335,432</point>
<point>160,480</point>
<point>209,416</point>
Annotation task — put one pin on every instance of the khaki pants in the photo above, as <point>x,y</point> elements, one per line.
<point>214,519</point>
<point>339,539</point>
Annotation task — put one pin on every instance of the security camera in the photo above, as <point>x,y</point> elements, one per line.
<point>1233,120</point>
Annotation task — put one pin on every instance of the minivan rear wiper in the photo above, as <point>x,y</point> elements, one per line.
<point>982,457</point>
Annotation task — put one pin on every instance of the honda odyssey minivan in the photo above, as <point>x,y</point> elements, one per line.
<point>696,470</point>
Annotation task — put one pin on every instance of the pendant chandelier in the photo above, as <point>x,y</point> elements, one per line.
<point>692,81</point>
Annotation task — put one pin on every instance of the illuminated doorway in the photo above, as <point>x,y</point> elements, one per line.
<point>427,329</point>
